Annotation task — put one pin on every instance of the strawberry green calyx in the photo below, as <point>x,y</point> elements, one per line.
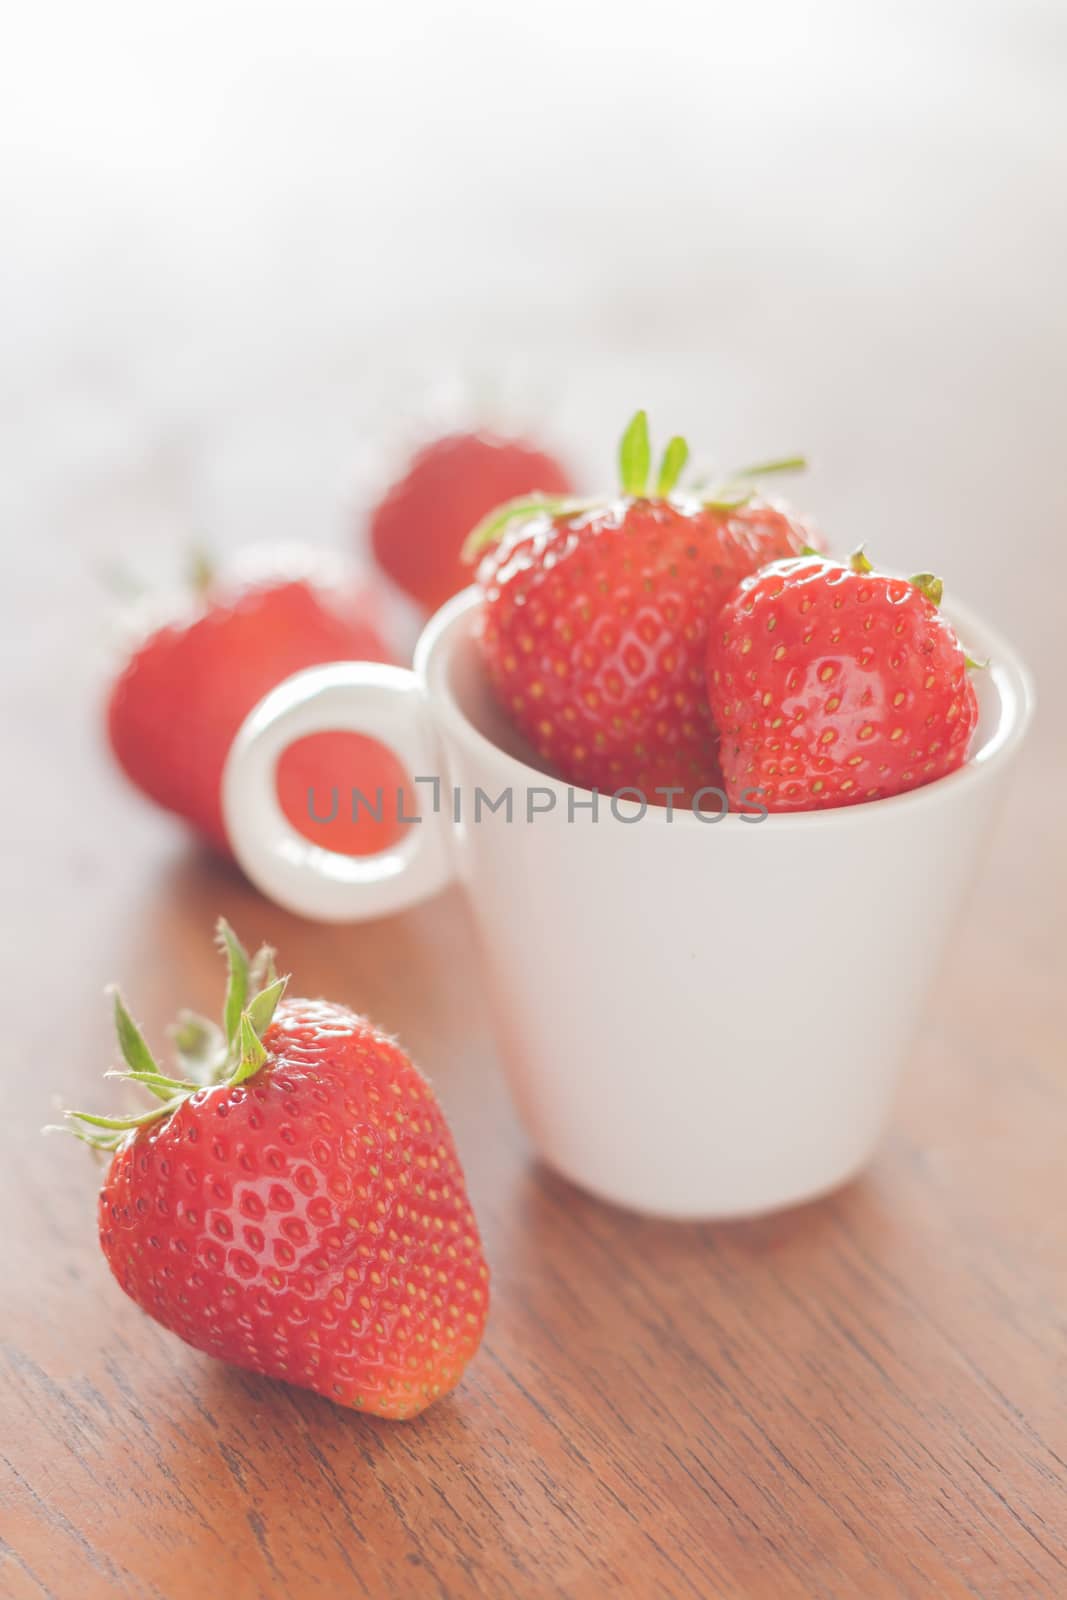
<point>199,1046</point>
<point>635,457</point>
<point>636,482</point>
<point>237,984</point>
<point>252,1055</point>
<point>929,586</point>
<point>738,488</point>
<point>671,466</point>
<point>135,1052</point>
<point>495,525</point>
<point>764,469</point>
<point>210,1057</point>
<point>202,573</point>
<point>725,500</point>
<point>925,582</point>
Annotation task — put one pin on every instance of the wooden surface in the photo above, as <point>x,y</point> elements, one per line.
<point>865,1397</point>
<point>848,242</point>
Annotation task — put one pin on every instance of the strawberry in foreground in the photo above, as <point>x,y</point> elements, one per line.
<point>418,529</point>
<point>595,623</point>
<point>295,1205</point>
<point>187,687</point>
<point>834,684</point>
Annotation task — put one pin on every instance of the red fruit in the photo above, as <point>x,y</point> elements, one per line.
<point>835,684</point>
<point>595,624</point>
<point>186,689</point>
<point>303,1213</point>
<point>417,531</point>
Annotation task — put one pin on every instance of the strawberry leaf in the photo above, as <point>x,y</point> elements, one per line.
<point>491,527</point>
<point>135,1052</point>
<point>237,986</point>
<point>261,1008</point>
<point>763,469</point>
<point>727,500</point>
<point>199,1047</point>
<point>253,1053</point>
<point>635,457</point>
<point>672,466</point>
<point>120,1124</point>
<point>929,586</point>
<point>162,1086</point>
<point>261,970</point>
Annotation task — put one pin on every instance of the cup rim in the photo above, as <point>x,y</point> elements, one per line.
<point>1013,680</point>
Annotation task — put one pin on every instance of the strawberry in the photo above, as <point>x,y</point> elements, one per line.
<point>835,684</point>
<point>189,684</point>
<point>418,529</point>
<point>296,1205</point>
<point>595,619</point>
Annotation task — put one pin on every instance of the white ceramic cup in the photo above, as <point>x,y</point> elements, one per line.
<point>698,1018</point>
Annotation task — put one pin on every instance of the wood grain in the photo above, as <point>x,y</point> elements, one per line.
<point>865,1397</point>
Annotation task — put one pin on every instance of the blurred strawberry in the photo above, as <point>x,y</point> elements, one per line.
<point>191,680</point>
<point>417,531</point>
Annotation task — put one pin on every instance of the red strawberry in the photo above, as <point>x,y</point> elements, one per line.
<point>188,686</point>
<point>595,624</point>
<point>418,530</point>
<point>835,684</point>
<point>300,1209</point>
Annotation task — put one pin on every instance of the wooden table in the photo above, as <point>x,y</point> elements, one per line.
<point>866,1397</point>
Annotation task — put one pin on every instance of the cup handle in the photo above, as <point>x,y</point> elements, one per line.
<point>386,703</point>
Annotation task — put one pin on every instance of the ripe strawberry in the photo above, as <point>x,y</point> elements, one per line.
<point>418,529</point>
<point>297,1206</point>
<point>835,684</point>
<point>187,687</point>
<point>595,623</point>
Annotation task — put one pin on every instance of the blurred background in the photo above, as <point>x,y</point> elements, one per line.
<point>249,246</point>
<point>251,252</point>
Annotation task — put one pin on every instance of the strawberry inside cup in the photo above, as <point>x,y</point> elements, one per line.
<point>596,615</point>
<point>833,685</point>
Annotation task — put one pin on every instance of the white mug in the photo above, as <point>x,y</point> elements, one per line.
<point>698,1017</point>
